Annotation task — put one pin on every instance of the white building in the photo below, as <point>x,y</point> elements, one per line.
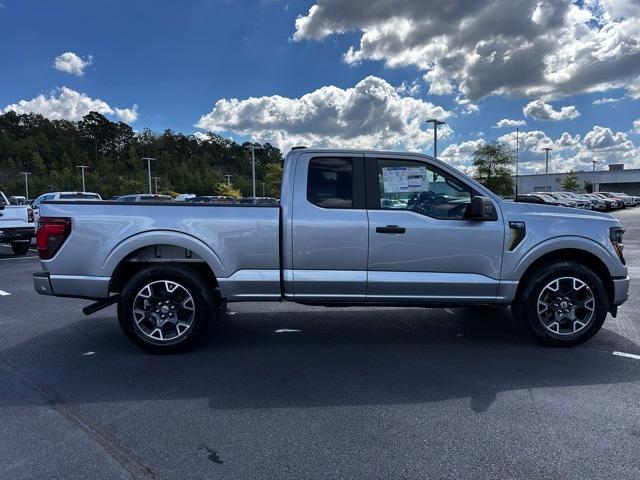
<point>615,179</point>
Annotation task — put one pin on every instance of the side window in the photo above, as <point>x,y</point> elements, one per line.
<point>422,188</point>
<point>330,182</point>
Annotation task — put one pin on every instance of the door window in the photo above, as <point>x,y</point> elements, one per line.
<point>421,188</point>
<point>330,182</point>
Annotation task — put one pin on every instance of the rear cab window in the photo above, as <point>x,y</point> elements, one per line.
<point>330,182</point>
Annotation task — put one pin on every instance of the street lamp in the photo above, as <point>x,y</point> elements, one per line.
<point>156,182</point>
<point>82,167</point>
<point>26,183</point>
<point>546,168</point>
<point>593,177</point>
<point>253,149</point>
<point>149,159</point>
<point>435,122</point>
<point>517,159</point>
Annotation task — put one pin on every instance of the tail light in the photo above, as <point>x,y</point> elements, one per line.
<point>51,234</point>
<point>30,218</point>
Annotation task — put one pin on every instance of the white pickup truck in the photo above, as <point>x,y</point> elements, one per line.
<point>16,225</point>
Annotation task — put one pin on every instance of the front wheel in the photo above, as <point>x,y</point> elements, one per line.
<point>562,304</point>
<point>20,248</point>
<point>166,308</point>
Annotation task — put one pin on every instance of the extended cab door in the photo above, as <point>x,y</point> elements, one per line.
<point>422,246</point>
<point>330,229</point>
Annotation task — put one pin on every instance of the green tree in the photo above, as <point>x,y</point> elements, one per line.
<point>222,188</point>
<point>570,183</point>
<point>493,164</point>
<point>273,179</point>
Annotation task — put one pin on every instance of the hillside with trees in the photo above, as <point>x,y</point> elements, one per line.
<point>51,149</point>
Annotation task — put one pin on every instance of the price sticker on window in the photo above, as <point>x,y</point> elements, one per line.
<point>405,179</point>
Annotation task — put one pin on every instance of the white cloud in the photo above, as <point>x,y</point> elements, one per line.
<point>372,114</point>
<point>603,138</point>
<point>508,122</point>
<point>127,115</point>
<point>67,104</point>
<point>474,48</point>
<point>460,155</point>
<point>71,63</point>
<point>540,110</point>
<point>636,126</point>
<point>604,100</point>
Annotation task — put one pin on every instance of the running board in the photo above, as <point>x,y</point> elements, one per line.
<point>100,304</point>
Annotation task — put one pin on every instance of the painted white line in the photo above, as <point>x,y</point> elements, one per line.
<point>448,310</point>
<point>4,294</point>
<point>627,355</point>
<point>288,330</point>
<point>88,354</point>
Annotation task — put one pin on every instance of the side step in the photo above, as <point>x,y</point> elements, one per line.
<point>100,304</point>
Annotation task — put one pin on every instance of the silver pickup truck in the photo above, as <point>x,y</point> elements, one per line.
<point>352,228</point>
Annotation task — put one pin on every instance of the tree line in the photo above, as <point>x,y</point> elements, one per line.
<point>51,150</point>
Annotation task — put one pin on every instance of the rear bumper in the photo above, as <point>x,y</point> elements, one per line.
<point>78,286</point>
<point>620,290</point>
<point>15,234</point>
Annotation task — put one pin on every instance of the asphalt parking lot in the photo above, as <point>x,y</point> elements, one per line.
<point>285,391</point>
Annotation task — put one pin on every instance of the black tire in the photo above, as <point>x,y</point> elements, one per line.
<point>192,282</point>
<point>20,248</point>
<point>525,307</point>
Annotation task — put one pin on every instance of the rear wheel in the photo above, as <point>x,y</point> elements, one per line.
<point>166,308</point>
<point>562,304</point>
<point>20,248</point>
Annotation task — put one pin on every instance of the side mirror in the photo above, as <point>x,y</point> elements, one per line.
<point>482,209</point>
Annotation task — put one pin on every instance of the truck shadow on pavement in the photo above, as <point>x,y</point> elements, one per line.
<point>337,358</point>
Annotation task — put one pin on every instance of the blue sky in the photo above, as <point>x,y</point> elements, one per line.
<point>174,61</point>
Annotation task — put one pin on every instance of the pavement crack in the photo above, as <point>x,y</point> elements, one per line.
<point>128,461</point>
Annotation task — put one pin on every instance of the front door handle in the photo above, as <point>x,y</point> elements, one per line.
<point>390,229</point>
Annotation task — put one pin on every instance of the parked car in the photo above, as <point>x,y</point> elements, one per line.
<point>619,203</point>
<point>218,199</point>
<point>145,197</point>
<point>17,225</point>
<point>185,197</point>
<point>18,200</point>
<point>258,201</point>
<point>68,196</point>
<point>562,201</point>
<point>538,198</point>
<point>579,202</point>
<point>628,200</point>
<point>334,240</point>
<point>610,204</point>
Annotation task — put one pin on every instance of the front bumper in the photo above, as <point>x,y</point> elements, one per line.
<point>77,286</point>
<point>14,234</point>
<point>620,290</point>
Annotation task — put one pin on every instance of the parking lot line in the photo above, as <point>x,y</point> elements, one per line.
<point>3,293</point>
<point>627,355</point>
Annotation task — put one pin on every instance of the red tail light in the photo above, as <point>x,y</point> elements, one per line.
<point>52,232</point>
<point>30,218</point>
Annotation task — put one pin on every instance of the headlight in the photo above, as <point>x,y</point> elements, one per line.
<point>615,236</point>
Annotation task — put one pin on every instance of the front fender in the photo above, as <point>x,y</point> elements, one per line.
<point>609,258</point>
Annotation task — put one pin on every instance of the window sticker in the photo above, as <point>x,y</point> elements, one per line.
<point>405,179</point>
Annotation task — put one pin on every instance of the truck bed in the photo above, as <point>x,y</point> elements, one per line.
<point>240,243</point>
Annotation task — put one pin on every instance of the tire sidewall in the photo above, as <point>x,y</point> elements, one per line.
<point>20,248</point>
<point>188,278</point>
<point>528,302</point>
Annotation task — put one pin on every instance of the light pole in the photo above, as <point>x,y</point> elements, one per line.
<point>263,184</point>
<point>149,159</point>
<point>546,168</point>
<point>517,159</point>
<point>228,179</point>
<point>82,167</point>
<point>593,177</point>
<point>253,149</point>
<point>435,122</point>
<point>155,179</point>
<point>26,183</point>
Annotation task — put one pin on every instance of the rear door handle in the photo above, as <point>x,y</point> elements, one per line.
<point>390,229</point>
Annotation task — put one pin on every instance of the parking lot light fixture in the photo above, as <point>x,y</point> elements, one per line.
<point>26,183</point>
<point>546,168</point>
<point>593,177</point>
<point>435,122</point>
<point>149,160</point>
<point>82,167</point>
<point>253,149</point>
